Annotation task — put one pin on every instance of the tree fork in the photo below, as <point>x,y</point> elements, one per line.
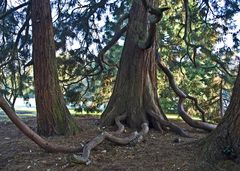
<point>135,90</point>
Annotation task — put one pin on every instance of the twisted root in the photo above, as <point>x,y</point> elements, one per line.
<point>132,138</point>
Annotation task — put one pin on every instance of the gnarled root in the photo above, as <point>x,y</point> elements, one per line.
<point>132,138</point>
<point>190,121</point>
<point>166,124</point>
<point>84,158</point>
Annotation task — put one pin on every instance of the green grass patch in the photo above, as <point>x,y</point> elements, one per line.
<point>178,117</point>
<point>25,112</point>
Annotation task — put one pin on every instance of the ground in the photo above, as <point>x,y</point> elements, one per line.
<point>164,152</point>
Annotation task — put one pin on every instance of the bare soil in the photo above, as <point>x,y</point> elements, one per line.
<point>164,152</point>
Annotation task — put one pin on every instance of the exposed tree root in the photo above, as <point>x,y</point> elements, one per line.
<point>190,121</point>
<point>131,139</point>
<point>47,146</point>
<point>166,124</point>
<point>182,96</point>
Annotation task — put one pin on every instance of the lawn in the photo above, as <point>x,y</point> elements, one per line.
<point>26,112</point>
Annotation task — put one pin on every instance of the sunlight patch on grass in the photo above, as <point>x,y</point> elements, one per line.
<point>178,117</point>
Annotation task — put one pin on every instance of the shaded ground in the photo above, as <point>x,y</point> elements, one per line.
<point>156,152</point>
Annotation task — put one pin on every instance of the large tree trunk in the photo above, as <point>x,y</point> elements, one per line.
<point>135,90</point>
<point>223,143</point>
<point>53,116</point>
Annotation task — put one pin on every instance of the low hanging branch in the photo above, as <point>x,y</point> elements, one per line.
<point>100,57</point>
<point>182,96</point>
<point>47,146</point>
<point>114,39</point>
<point>132,138</point>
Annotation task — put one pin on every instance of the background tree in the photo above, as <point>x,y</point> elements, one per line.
<point>53,117</point>
<point>14,44</point>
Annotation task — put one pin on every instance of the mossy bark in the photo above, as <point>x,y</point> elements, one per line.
<point>53,116</point>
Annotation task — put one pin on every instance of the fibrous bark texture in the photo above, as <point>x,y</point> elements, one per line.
<point>53,116</point>
<point>135,90</point>
<point>224,142</point>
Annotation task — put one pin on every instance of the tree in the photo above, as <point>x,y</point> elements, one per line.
<point>135,90</point>
<point>53,117</point>
<point>134,100</point>
<point>223,142</point>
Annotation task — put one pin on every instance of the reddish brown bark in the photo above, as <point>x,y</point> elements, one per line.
<point>135,90</point>
<point>53,116</point>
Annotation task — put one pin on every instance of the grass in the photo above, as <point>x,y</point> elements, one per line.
<point>25,113</point>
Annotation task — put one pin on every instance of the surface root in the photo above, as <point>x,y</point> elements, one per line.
<point>131,139</point>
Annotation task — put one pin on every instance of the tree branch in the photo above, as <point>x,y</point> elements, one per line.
<point>14,9</point>
<point>182,96</point>
<point>114,39</point>
<point>154,18</point>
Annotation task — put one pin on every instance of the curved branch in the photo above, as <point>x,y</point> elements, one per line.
<point>154,18</point>
<point>47,146</point>
<point>182,96</point>
<point>119,124</point>
<point>84,158</point>
<point>25,24</point>
<point>114,39</point>
<point>190,121</point>
<point>171,80</point>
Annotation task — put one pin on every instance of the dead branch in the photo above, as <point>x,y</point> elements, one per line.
<point>182,96</point>
<point>47,146</point>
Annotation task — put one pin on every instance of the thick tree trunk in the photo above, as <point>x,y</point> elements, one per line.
<point>135,90</point>
<point>223,143</point>
<point>53,116</point>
